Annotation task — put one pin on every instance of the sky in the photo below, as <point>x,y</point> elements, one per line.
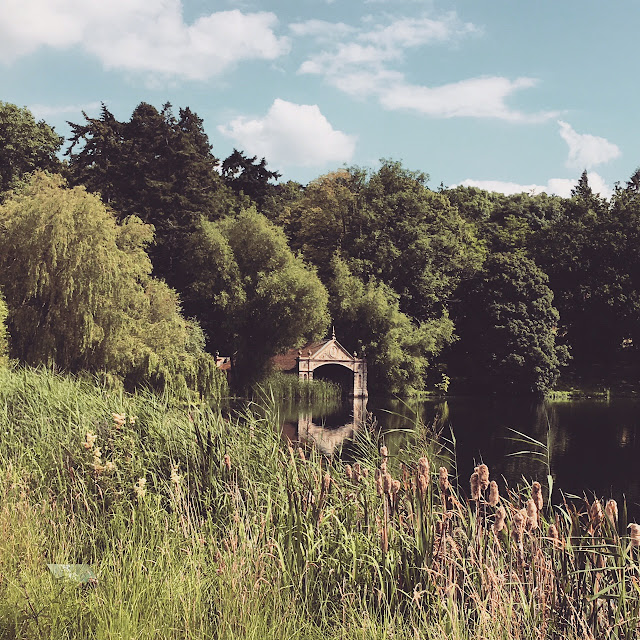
<point>506,95</point>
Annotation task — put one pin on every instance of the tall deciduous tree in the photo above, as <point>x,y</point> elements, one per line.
<point>508,328</point>
<point>80,294</point>
<point>25,145</point>
<point>367,317</point>
<point>256,297</point>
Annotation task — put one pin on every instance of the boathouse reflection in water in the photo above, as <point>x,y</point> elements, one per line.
<point>329,431</point>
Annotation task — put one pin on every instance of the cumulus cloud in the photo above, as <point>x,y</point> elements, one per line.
<point>585,150</point>
<point>363,66</point>
<point>291,134</point>
<point>140,35</point>
<point>555,186</point>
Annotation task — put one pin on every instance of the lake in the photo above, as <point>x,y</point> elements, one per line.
<point>593,445</point>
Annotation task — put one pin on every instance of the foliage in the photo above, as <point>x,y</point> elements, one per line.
<point>367,317</point>
<point>157,167</point>
<point>508,327</point>
<point>258,298</point>
<point>205,526</point>
<point>245,176</point>
<point>80,294</point>
<point>25,145</point>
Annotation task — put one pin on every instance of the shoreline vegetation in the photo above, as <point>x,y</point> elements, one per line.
<point>199,525</point>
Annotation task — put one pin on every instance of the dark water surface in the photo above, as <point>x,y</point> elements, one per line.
<point>591,446</point>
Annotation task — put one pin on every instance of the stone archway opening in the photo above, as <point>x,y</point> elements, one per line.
<point>338,374</point>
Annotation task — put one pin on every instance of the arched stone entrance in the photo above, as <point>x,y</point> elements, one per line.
<point>318,354</point>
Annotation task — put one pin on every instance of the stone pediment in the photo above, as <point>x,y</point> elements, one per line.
<point>332,351</point>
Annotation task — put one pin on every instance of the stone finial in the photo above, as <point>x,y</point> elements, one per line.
<point>355,354</point>
<point>333,332</point>
<point>309,352</point>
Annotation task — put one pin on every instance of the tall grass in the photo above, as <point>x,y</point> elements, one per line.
<point>201,526</point>
<point>282,386</point>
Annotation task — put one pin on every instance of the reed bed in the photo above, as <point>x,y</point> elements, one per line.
<point>283,386</point>
<point>202,526</point>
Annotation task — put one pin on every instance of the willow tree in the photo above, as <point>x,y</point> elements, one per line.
<point>80,293</point>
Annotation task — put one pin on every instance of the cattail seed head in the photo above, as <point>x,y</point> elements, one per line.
<point>227,462</point>
<point>634,534</point>
<point>611,510</point>
<point>379,486</point>
<point>519,520</point>
<point>483,476</point>
<point>365,472</point>
<point>595,513</point>
<point>474,482</point>
<point>387,481</point>
<point>443,479</point>
<point>383,467</point>
<point>552,533</point>
<point>326,482</point>
<point>395,487</point>
<point>423,485</point>
<point>498,523</point>
<point>532,515</point>
<point>348,471</point>
<point>536,495</point>
<point>357,472</point>
<point>384,452</point>
<point>423,467</point>
<point>494,494</point>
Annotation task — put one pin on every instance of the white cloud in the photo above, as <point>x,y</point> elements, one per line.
<point>44,111</point>
<point>556,186</point>
<point>321,30</point>
<point>291,134</point>
<point>140,35</point>
<point>585,150</point>
<point>362,67</point>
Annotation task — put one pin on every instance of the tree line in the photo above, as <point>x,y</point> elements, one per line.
<point>141,254</point>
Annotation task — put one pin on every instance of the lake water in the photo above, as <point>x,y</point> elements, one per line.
<point>593,445</point>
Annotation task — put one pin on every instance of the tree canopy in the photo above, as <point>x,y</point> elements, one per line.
<point>80,294</point>
<point>25,145</point>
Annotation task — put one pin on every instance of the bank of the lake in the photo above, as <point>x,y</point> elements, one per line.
<point>199,524</point>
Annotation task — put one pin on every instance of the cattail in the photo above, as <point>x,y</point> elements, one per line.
<point>227,462</point>
<point>519,519</point>
<point>423,467</point>
<point>326,482</point>
<point>498,523</point>
<point>635,534</point>
<point>483,476</point>
<point>348,471</point>
<point>536,494</point>
<point>443,479</point>
<point>365,472</point>
<point>387,482</point>
<point>611,510</point>
<point>595,513</point>
<point>379,486</point>
<point>395,487</point>
<point>301,454</point>
<point>474,481</point>
<point>383,467</point>
<point>532,515</point>
<point>423,485</point>
<point>494,494</point>
<point>552,533</point>
<point>357,472</point>
<point>384,452</point>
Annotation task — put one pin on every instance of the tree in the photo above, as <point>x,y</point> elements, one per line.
<point>248,177</point>
<point>508,327</point>
<point>368,319</point>
<point>260,299</point>
<point>80,294</point>
<point>25,145</point>
<point>157,167</point>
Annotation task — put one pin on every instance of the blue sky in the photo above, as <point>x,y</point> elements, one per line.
<point>504,94</point>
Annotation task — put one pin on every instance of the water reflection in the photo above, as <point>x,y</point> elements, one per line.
<point>588,446</point>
